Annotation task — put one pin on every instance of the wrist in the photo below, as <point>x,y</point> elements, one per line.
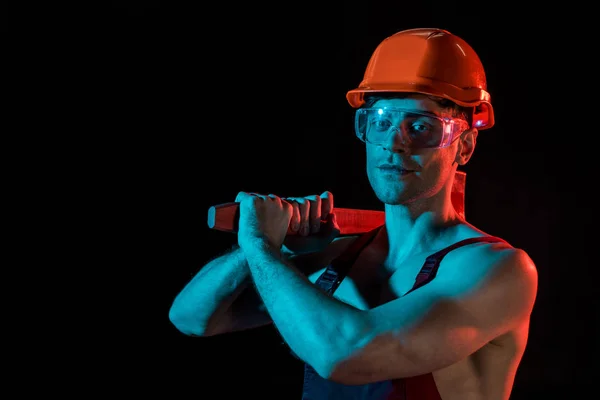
<point>260,249</point>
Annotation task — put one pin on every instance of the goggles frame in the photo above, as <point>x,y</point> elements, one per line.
<point>451,128</point>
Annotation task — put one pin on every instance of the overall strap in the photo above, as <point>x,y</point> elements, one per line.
<point>337,270</point>
<point>432,263</point>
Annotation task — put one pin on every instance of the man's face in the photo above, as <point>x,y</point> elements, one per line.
<point>400,175</point>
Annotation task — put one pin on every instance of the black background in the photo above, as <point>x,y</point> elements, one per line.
<point>206,101</point>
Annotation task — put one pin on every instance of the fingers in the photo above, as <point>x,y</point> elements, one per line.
<point>314,213</point>
<point>286,205</point>
<point>295,221</point>
<point>332,223</point>
<point>307,213</point>
<point>243,196</point>
<point>326,204</point>
<point>310,211</point>
<point>301,214</point>
<point>255,198</point>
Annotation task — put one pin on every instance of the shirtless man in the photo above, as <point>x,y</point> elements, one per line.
<point>429,306</point>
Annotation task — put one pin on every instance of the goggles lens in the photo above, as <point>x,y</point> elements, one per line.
<point>417,129</point>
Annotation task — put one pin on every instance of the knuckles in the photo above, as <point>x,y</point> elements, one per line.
<point>305,206</point>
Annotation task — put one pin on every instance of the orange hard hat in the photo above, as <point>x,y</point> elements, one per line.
<point>429,61</point>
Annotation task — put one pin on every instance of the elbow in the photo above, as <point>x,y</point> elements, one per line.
<point>347,361</point>
<point>341,373</point>
<point>325,363</point>
<point>326,370</point>
<point>367,359</point>
<point>184,323</point>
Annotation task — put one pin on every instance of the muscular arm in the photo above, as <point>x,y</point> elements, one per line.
<point>426,330</point>
<point>216,300</point>
<point>309,320</point>
<point>220,297</point>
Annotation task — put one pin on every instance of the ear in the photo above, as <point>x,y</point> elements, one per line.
<point>466,146</point>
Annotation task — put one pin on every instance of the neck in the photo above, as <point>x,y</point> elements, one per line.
<point>417,227</point>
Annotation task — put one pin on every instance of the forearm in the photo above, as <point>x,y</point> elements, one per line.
<point>317,327</point>
<point>198,307</point>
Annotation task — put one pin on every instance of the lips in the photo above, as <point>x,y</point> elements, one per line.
<point>394,168</point>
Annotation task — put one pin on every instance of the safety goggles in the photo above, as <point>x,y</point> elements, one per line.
<point>416,129</point>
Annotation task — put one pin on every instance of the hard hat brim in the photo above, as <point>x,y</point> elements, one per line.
<point>471,97</point>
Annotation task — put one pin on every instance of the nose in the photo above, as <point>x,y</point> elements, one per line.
<point>395,140</point>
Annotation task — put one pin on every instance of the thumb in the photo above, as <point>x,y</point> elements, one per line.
<point>331,223</point>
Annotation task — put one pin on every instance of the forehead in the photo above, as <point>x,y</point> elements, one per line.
<point>415,102</point>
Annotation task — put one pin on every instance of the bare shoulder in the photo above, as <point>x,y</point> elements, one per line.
<point>520,272</point>
<point>486,273</point>
<point>507,262</point>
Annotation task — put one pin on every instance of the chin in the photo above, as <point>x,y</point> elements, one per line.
<point>388,195</point>
<point>386,191</point>
<point>390,200</point>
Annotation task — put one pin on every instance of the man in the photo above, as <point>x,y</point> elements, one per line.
<point>427,306</point>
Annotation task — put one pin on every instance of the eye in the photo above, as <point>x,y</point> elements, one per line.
<point>419,128</point>
<point>381,125</point>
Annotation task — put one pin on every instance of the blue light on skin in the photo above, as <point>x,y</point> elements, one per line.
<point>430,168</point>
<point>417,215</point>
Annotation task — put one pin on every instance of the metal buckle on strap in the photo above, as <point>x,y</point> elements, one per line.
<point>328,278</point>
<point>428,266</point>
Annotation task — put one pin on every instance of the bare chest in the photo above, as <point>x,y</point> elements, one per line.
<point>371,282</point>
